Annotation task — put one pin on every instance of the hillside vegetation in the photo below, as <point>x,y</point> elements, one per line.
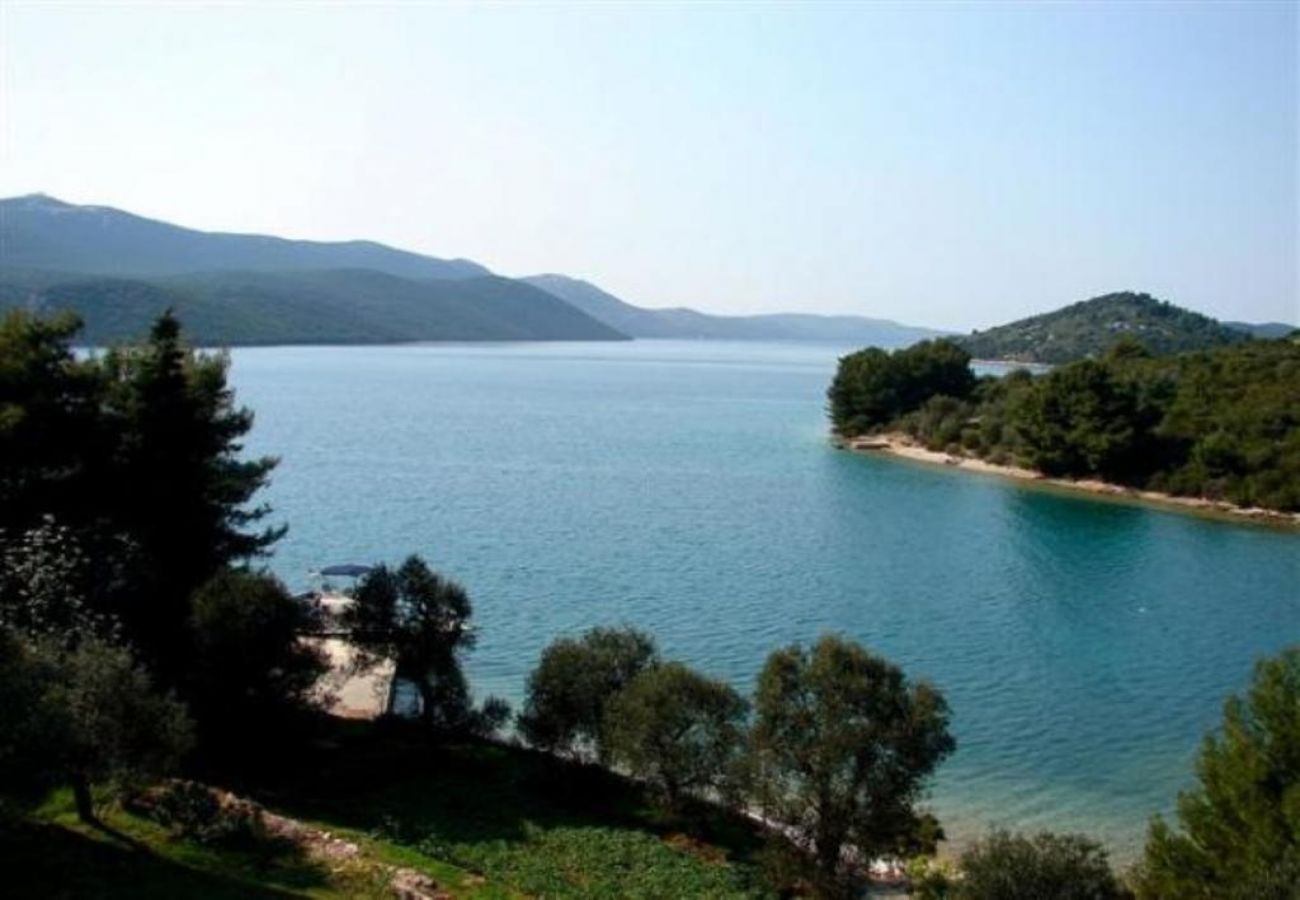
<point>341,306</point>
<point>1222,424</point>
<point>41,232</point>
<point>1089,328</point>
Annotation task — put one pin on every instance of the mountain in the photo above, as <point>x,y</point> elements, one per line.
<point>340,306</point>
<point>37,231</point>
<point>1265,330</point>
<point>639,322</point>
<point>118,270</point>
<point>1091,327</point>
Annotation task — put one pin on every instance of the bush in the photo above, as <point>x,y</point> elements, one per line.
<point>931,878</point>
<point>197,813</point>
<point>1045,866</point>
<point>574,681</point>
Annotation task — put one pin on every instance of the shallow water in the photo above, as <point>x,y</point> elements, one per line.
<point>689,488</point>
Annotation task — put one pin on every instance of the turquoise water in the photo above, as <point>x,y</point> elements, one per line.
<point>689,488</point>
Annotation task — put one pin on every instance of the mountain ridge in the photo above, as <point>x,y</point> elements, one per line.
<point>104,240</point>
<point>683,322</point>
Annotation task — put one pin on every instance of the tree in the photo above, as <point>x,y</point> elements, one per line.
<point>1240,832</point>
<point>420,621</point>
<point>873,387</point>
<point>1087,419</point>
<point>137,453</point>
<point>573,683</point>
<point>677,729</point>
<point>54,448</point>
<point>842,747</point>
<point>1045,866</point>
<point>82,716</point>
<point>250,669</point>
<point>181,485</point>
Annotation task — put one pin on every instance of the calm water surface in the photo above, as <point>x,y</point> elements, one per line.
<point>689,488</point>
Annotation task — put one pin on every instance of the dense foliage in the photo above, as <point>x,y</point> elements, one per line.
<point>123,490</point>
<point>1240,833</point>
<point>249,669</point>
<point>873,386</point>
<point>1044,866</point>
<point>80,715</point>
<point>138,453</point>
<point>1090,327</point>
<point>575,680</point>
<point>1222,424</point>
<point>679,730</point>
<point>420,622</point>
<point>843,745</point>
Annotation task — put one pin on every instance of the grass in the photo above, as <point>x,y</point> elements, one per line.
<point>53,855</point>
<point>526,822</point>
<point>485,821</point>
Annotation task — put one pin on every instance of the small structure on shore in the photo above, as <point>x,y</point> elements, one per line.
<point>350,690</point>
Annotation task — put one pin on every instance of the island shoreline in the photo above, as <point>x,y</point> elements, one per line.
<point>900,446</point>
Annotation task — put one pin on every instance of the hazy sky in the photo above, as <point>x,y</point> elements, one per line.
<point>943,164</point>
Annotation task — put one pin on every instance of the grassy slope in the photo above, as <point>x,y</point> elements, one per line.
<point>526,821</point>
<point>485,821</point>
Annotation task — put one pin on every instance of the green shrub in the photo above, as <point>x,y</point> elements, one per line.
<point>1044,866</point>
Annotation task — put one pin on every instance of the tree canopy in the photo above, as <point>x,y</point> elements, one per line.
<point>1240,834</point>
<point>575,680</point>
<point>681,731</point>
<point>1222,424</point>
<point>844,745</point>
<point>420,621</point>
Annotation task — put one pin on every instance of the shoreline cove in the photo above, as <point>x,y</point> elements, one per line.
<point>901,446</point>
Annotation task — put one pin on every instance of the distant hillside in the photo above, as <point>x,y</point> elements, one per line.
<point>40,232</point>
<point>345,306</point>
<point>639,322</point>
<point>1091,327</point>
<point>1265,330</point>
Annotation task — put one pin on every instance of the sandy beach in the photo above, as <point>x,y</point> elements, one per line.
<point>900,445</point>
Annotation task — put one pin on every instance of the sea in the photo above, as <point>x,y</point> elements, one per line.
<point>689,488</point>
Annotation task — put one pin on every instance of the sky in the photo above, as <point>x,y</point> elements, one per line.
<point>947,164</point>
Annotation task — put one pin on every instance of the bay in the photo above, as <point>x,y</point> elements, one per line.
<point>689,488</point>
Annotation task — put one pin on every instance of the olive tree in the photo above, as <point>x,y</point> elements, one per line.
<point>679,730</point>
<point>1240,833</point>
<point>842,747</point>
<point>573,683</point>
<point>81,716</point>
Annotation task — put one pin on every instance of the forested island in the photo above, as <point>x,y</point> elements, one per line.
<point>1221,424</point>
<point>1090,327</point>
